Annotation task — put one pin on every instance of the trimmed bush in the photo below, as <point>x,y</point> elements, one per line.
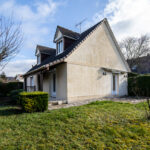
<point>33,101</point>
<point>6,88</point>
<point>14,95</point>
<point>139,85</point>
<point>29,105</point>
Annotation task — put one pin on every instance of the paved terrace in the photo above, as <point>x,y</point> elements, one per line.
<point>132,100</point>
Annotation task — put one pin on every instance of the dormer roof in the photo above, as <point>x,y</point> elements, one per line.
<point>66,33</point>
<point>45,50</point>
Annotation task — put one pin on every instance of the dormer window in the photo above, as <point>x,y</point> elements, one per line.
<point>64,38</point>
<point>38,59</point>
<point>59,47</point>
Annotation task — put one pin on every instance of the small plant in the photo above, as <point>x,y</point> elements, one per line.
<point>33,101</point>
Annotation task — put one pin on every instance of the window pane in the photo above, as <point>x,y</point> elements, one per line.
<point>38,59</point>
<point>31,81</point>
<point>54,82</point>
<point>59,47</point>
<point>114,83</point>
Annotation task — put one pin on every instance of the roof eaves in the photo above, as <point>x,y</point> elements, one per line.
<point>44,66</point>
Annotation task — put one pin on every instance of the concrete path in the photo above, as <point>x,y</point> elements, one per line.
<point>126,100</point>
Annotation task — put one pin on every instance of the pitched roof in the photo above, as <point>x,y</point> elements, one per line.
<point>50,59</point>
<point>46,50</point>
<point>67,32</point>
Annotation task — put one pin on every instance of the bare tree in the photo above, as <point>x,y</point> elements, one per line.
<point>133,48</point>
<point>10,40</point>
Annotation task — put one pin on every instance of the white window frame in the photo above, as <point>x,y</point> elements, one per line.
<point>31,81</point>
<point>60,47</point>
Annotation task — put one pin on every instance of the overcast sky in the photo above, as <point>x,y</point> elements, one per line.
<point>40,17</point>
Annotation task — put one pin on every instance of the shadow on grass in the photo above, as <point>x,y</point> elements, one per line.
<point>10,110</point>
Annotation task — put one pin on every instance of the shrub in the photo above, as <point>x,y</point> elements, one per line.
<point>29,105</point>
<point>33,101</point>
<point>139,85</point>
<point>6,88</point>
<point>14,95</point>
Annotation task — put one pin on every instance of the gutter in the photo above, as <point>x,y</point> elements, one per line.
<point>45,66</point>
<point>114,70</point>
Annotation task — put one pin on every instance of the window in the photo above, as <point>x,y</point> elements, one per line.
<point>54,82</point>
<point>31,81</point>
<point>38,59</point>
<point>114,82</point>
<point>59,47</point>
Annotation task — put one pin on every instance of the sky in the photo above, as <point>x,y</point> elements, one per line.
<point>39,19</point>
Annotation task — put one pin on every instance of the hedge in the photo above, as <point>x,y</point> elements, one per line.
<point>14,95</point>
<point>33,101</point>
<point>139,85</point>
<point>6,88</point>
<point>133,74</point>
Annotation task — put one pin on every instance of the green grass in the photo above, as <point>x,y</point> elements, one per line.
<point>99,125</point>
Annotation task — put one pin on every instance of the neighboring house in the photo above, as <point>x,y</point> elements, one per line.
<point>19,78</point>
<point>83,66</point>
<point>8,79</point>
<point>140,65</point>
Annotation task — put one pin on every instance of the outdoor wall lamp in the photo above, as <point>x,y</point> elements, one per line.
<point>125,76</point>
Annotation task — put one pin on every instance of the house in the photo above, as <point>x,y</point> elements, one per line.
<point>19,77</point>
<point>140,65</point>
<point>8,79</point>
<point>83,66</point>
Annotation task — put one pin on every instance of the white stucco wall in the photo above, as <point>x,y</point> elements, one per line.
<point>61,82</point>
<point>123,85</point>
<point>84,74</point>
<point>87,82</point>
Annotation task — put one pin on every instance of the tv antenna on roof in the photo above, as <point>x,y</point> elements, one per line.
<point>80,24</point>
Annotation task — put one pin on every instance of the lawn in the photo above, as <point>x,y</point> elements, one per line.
<point>99,125</point>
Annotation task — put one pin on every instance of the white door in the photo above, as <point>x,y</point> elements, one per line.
<point>53,84</point>
<point>114,84</point>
